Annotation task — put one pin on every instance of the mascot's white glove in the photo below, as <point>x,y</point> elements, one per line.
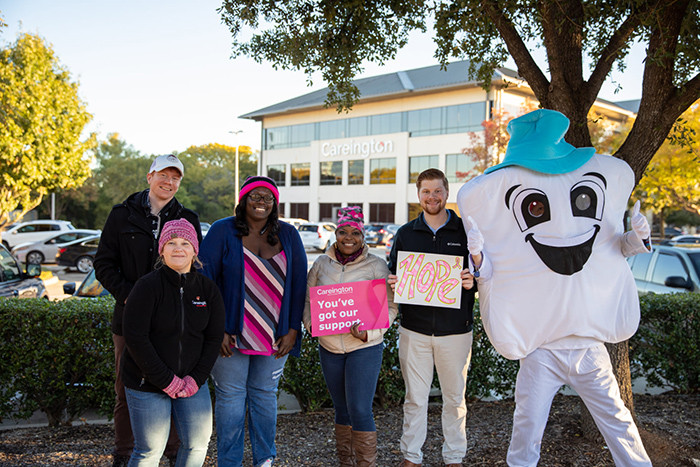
<point>475,240</point>
<point>639,223</point>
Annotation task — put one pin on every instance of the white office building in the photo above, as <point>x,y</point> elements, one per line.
<point>404,123</point>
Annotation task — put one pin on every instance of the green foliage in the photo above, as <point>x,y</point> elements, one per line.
<point>666,348</point>
<point>57,357</point>
<point>208,187</point>
<point>303,377</point>
<point>489,374</point>
<point>41,121</point>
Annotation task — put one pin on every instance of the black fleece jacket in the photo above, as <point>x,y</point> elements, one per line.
<point>128,247</point>
<point>173,325</point>
<point>451,239</point>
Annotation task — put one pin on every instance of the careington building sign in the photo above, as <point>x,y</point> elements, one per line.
<point>355,148</point>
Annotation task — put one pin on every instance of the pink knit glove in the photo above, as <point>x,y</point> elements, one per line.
<point>175,386</point>
<point>190,388</point>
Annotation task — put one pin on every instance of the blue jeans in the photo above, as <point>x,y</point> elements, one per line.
<point>352,380</point>
<point>150,414</point>
<point>246,380</point>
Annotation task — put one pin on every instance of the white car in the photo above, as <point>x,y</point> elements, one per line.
<point>33,231</point>
<point>45,251</point>
<point>295,221</point>
<point>317,234</point>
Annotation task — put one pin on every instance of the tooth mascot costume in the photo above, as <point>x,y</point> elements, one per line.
<point>548,247</point>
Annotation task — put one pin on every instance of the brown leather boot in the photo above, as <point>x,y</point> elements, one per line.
<point>343,445</point>
<point>364,444</point>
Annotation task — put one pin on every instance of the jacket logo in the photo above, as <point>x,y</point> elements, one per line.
<point>453,244</point>
<point>199,303</point>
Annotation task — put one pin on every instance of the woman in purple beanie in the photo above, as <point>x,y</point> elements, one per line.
<point>260,266</point>
<point>173,321</point>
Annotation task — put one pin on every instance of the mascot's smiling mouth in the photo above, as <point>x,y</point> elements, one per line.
<point>565,259</point>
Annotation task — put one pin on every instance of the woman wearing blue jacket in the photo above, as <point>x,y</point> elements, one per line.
<point>259,265</point>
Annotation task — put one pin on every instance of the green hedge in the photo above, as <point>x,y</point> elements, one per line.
<point>666,348</point>
<point>57,357</point>
<point>489,374</point>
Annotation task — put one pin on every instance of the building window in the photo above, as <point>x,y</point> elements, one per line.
<point>382,171</point>
<point>414,210</point>
<point>280,210</point>
<point>301,135</point>
<point>332,173</point>
<point>356,172</point>
<point>465,117</point>
<point>425,122</point>
<point>459,168</point>
<point>418,164</point>
<point>327,212</point>
<point>333,129</point>
<point>276,138</point>
<point>299,210</point>
<point>358,126</point>
<point>385,123</point>
<point>300,174</point>
<point>382,212</point>
<point>277,173</point>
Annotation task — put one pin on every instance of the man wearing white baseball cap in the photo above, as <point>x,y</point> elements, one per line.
<point>128,250</point>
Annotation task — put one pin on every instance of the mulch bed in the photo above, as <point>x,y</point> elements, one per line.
<point>669,423</point>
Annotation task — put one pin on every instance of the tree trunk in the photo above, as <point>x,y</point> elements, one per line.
<point>619,357</point>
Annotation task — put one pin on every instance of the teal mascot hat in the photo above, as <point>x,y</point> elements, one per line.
<point>537,143</point>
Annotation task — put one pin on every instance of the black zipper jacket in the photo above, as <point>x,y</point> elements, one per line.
<point>128,247</point>
<point>173,325</point>
<point>450,239</point>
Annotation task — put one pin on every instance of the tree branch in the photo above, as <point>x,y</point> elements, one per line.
<point>527,67</point>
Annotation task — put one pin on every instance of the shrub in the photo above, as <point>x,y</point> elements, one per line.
<point>666,348</point>
<point>490,374</point>
<point>57,357</point>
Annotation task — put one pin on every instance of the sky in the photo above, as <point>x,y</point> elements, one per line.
<point>160,74</point>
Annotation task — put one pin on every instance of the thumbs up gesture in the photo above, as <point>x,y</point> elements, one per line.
<point>639,223</point>
<point>475,240</point>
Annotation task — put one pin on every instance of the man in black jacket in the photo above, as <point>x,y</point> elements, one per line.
<point>128,250</point>
<point>434,336</point>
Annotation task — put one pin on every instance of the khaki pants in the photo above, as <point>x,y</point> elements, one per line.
<point>450,355</point>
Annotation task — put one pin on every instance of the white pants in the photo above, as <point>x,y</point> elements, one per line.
<point>589,372</point>
<point>450,356</point>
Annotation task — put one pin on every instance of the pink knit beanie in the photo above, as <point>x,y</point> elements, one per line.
<point>178,228</point>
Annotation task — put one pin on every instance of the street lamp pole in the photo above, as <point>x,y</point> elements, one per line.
<point>235,133</point>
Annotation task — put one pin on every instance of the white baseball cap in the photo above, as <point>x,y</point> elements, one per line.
<point>165,161</point>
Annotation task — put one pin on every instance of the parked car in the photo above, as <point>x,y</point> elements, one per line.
<point>33,231</point>
<point>667,269</point>
<point>387,247</point>
<point>90,287</point>
<point>681,240</point>
<point>79,254</point>
<point>14,282</point>
<point>204,226</point>
<point>295,221</point>
<point>317,235</point>
<point>378,234</point>
<point>45,251</point>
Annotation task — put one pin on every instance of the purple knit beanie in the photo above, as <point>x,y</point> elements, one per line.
<point>352,216</point>
<point>178,228</point>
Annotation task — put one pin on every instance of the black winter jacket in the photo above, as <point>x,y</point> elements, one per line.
<point>173,325</point>
<point>449,240</point>
<point>128,248</point>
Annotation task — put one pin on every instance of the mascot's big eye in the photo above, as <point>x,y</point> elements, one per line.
<point>587,200</point>
<point>531,207</point>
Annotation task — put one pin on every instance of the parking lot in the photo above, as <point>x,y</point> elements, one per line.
<point>62,275</point>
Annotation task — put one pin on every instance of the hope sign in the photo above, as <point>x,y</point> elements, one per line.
<point>429,279</point>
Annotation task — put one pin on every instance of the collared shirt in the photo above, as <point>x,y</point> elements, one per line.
<point>449,214</point>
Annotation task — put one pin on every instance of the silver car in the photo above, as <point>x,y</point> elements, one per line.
<point>317,235</point>
<point>45,251</point>
<point>667,269</point>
